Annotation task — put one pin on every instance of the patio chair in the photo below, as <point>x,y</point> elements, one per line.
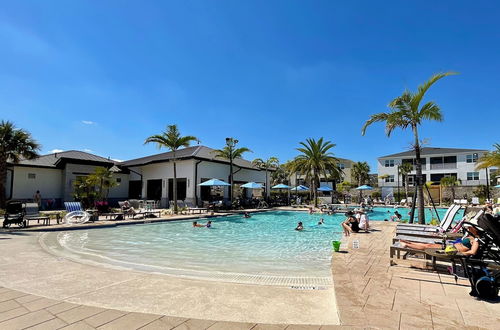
<point>32,214</point>
<point>475,201</point>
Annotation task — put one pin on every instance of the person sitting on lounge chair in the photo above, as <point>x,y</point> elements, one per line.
<point>468,246</point>
<point>128,209</point>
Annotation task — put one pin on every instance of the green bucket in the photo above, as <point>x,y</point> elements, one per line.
<point>336,246</point>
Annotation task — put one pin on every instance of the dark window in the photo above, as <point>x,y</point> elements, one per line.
<point>181,189</point>
<point>154,189</point>
<point>135,189</point>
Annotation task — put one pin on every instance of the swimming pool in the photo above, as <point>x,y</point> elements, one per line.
<point>264,249</point>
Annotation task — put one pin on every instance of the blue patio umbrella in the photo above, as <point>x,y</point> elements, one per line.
<point>361,188</point>
<point>251,185</point>
<point>280,186</point>
<point>300,188</point>
<point>214,183</point>
<point>324,188</point>
<point>497,186</point>
<point>364,187</point>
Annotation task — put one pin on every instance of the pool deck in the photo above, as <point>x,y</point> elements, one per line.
<point>42,291</point>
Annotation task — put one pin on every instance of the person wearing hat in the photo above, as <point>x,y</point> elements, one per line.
<point>364,223</point>
<point>350,224</point>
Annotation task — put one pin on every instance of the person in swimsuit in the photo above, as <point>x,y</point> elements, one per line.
<point>247,215</point>
<point>209,224</point>
<point>468,246</point>
<point>350,224</point>
<point>299,226</point>
<point>321,221</point>
<point>196,224</point>
<point>396,217</point>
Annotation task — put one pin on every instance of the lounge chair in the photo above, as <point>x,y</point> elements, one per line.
<point>192,209</point>
<point>76,214</point>
<point>475,201</point>
<point>463,202</point>
<point>444,225</point>
<point>32,214</point>
<point>402,202</point>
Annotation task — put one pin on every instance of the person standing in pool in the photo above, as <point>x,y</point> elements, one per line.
<point>209,224</point>
<point>247,215</point>
<point>321,221</point>
<point>299,226</point>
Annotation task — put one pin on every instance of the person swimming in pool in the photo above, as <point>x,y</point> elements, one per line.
<point>209,224</point>
<point>196,224</point>
<point>299,226</point>
<point>321,221</point>
<point>247,215</point>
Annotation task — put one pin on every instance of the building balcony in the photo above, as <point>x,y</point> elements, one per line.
<point>444,166</point>
<point>473,182</point>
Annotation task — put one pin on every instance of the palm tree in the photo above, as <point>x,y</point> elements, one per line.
<point>360,172</point>
<point>231,153</point>
<point>451,182</point>
<point>404,170</point>
<point>172,140</point>
<point>490,159</point>
<point>406,112</point>
<point>15,144</point>
<point>271,162</point>
<point>315,160</point>
<point>103,180</point>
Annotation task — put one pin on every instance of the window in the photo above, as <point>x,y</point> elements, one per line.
<point>118,180</point>
<point>31,176</point>
<point>471,158</point>
<point>389,163</point>
<point>472,175</point>
<point>389,178</point>
<point>341,166</point>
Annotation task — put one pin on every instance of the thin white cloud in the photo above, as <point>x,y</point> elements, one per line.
<point>53,151</point>
<point>87,150</point>
<point>88,122</point>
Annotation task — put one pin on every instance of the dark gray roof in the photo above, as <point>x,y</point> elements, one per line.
<point>52,160</point>
<point>198,152</point>
<point>433,151</point>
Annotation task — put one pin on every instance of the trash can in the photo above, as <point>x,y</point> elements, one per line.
<point>336,246</point>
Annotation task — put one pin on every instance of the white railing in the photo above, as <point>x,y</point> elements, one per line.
<point>445,166</point>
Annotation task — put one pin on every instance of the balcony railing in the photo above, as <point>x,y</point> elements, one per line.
<point>444,166</point>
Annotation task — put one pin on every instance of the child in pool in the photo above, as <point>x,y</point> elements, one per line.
<point>299,226</point>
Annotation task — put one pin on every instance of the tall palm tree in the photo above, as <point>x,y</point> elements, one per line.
<point>15,144</point>
<point>404,170</point>
<point>406,112</point>
<point>231,153</point>
<point>360,171</point>
<point>172,140</point>
<point>450,182</point>
<point>316,160</point>
<point>271,162</point>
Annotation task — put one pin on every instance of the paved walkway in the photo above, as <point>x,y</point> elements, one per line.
<point>371,292</point>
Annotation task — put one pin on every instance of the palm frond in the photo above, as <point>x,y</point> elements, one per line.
<point>378,117</point>
<point>422,89</point>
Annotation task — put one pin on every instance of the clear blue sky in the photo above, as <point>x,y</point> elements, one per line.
<point>104,75</point>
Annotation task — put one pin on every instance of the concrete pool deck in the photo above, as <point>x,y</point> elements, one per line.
<point>41,290</point>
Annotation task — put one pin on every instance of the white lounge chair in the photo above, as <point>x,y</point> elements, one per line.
<point>444,225</point>
<point>475,201</point>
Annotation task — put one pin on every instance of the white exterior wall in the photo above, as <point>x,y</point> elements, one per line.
<point>47,180</point>
<point>461,169</point>
<point>221,171</point>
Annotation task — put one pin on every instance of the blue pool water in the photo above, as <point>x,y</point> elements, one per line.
<point>264,245</point>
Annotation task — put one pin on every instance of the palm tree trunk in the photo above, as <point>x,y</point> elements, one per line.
<point>420,191</point>
<point>265,196</point>
<point>3,180</point>
<point>406,187</point>
<point>175,188</point>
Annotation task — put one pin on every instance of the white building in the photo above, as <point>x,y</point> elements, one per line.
<point>148,177</point>
<point>436,164</point>
<point>54,174</point>
<point>152,177</point>
<point>344,164</point>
